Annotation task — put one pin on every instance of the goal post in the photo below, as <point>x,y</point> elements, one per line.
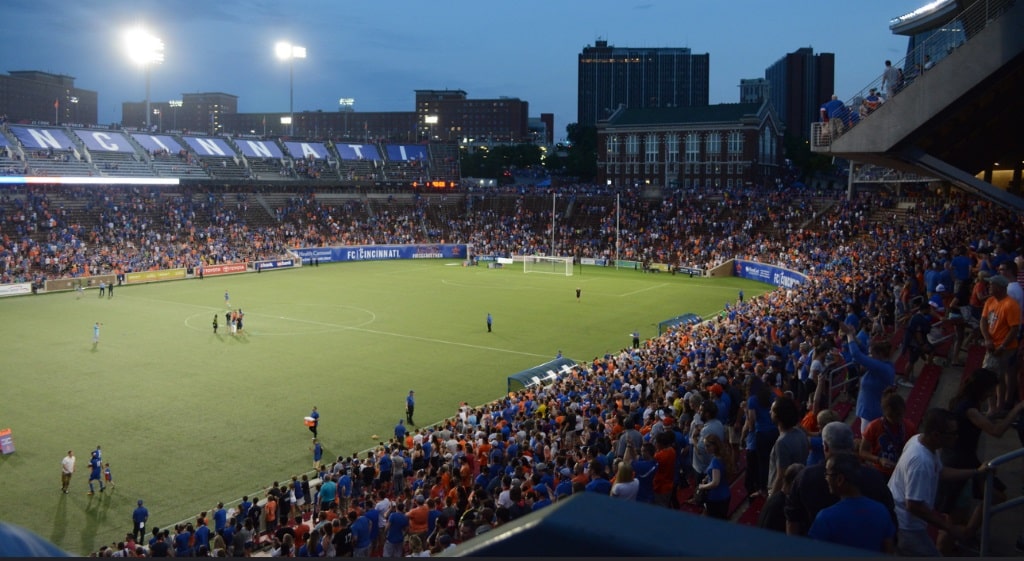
<point>547,264</point>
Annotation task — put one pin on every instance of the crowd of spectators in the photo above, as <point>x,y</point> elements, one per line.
<point>642,424</point>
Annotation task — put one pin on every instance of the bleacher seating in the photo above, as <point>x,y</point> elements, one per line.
<point>269,169</point>
<point>225,168</point>
<point>120,164</point>
<point>176,165</point>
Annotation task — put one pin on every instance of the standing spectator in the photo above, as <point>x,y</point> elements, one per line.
<point>880,374</point>
<point>810,492</point>
<point>139,518</point>
<point>202,534</point>
<point>183,540</point>
<point>410,400</point>
<point>599,483</point>
<point>664,475</point>
<point>915,481</point>
<point>759,424</point>
<point>700,433</point>
<point>716,482</point>
<point>360,528</point>
<point>854,521</point>
<point>636,338</point>
<point>394,531</point>
<point>792,445</point>
<point>644,467</point>
<point>419,517</point>
<point>966,406</point>
<point>625,486</point>
<point>883,441</point>
<point>67,469</point>
<point>220,518</point>
<point>915,340</point>
<point>270,513</point>
<point>834,112</point>
<point>1000,324</point>
<point>328,491</point>
<point>400,432</point>
<point>890,80</point>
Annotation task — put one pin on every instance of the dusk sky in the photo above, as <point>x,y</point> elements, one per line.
<point>379,52</point>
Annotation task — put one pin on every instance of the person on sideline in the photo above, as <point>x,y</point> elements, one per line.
<point>410,400</point>
<point>67,468</point>
<point>315,415</point>
<point>139,518</point>
<point>490,320</point>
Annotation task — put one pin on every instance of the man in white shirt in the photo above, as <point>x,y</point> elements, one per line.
<point>915,482</point>
<point>67,467</point>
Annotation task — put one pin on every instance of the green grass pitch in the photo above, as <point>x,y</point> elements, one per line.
<point>187,418</point>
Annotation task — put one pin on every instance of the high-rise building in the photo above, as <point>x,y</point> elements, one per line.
<point>448,115</point>
<point>754,90</point>
<point>639,78</point>
<point>197,112</point>
<point>30,95</point>
<point>799,83</point>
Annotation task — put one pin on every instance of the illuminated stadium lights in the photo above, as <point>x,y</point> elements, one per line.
<point>146,50</point>
<point>289,52</point>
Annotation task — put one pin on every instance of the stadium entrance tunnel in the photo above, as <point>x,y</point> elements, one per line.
<point>540,375</point>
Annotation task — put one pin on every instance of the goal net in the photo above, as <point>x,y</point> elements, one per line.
<point>550,265</point>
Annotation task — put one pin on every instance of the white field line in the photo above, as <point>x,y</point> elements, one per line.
<point>642,290</point>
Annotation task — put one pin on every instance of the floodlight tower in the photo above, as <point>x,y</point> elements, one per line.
<point>289,52</point>
<point>146,50</point>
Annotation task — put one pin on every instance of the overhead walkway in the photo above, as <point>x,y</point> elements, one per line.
<point>957,120</point>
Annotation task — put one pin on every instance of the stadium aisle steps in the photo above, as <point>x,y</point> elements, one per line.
<point>843,408</point>
<point>901,364</point>
<point>753,512</point>
<point>921,394</point>
<point>975,358</point>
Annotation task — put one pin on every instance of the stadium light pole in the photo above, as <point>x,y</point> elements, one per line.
<point>289,52</point>
<point>146,50</point>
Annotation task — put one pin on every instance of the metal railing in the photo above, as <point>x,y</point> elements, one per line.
<point>953,34</point>
<point>988,509</point>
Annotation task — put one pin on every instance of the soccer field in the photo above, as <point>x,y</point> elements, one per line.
<point>186,418</point>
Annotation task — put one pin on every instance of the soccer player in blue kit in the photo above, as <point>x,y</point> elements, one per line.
<point>95,472</point>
